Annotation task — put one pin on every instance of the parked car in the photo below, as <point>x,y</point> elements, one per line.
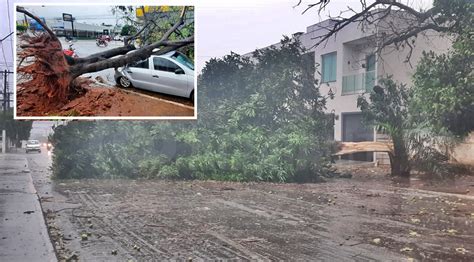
<point>33,145</point>
<point>118,38</point>
<point>171,73</point>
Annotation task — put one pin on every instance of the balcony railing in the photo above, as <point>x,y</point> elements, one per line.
<point>358,83</point>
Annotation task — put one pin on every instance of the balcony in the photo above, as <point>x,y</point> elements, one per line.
<point>358,83</point>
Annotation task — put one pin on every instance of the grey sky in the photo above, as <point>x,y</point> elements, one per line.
<point>95,15</point>
<point>222,25</point>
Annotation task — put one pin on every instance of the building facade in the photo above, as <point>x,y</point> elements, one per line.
<point>348,66</point>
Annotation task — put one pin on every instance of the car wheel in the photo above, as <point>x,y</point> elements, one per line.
<point>124,82</point>
<point>192,96</point>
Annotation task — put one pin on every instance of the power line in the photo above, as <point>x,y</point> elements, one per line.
<point>9,19</point>
<point>9,26</point>
<point>6,36</point>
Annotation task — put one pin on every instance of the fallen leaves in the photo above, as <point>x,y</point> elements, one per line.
<point>406,249</point>
<point>376,241</point>
<point>461,250</point>
<point>84,236</point>
<point>451,231</point>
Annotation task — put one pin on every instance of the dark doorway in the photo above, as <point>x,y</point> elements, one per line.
<point>354,130</point>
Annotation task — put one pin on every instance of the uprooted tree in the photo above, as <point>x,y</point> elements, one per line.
<point>55,76</point>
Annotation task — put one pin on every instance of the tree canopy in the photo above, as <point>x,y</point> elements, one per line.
<point>261,119</point>
<point>16,130</point>
<point>444,83</point>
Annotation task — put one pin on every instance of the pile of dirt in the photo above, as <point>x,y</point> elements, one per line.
<point>90,100</point>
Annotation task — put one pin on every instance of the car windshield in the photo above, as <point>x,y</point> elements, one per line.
<point>182,59</point>
<point>33,142</point>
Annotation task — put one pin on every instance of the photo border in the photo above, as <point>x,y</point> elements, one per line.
<point>156,3</point>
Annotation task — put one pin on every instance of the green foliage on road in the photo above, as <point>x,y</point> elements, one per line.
<point>16,130</point>
<point>260,119</point>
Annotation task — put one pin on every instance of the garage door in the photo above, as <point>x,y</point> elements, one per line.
<point>354,130</point>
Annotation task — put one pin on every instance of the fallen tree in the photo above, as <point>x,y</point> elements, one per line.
<point>54,76</point>
<point>345,148</point>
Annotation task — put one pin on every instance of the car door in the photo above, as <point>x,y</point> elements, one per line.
<point>169,77</point>
<point>139,74</point>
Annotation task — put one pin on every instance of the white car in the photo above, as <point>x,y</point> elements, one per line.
<point>33,145</point>
<point>171,73</point>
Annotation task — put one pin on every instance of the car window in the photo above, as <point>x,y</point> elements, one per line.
<point>163,64</point>
<point>184,60</point>
<point>140,64</point>
<point>33,142</point>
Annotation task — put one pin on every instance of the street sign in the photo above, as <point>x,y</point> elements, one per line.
<point>67,17</point>
<point>151,9</point>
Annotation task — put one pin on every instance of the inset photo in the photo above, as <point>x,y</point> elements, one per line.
<point>104,62</point>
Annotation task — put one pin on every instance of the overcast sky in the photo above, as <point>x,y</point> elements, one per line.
<point>221,25</point>
<point>97,15</point>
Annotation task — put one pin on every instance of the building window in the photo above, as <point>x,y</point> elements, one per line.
<point>329,67</point>
<point>370,61</point>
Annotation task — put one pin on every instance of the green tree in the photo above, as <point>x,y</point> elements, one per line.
<point>21,28</point>
<point>16,130</point>
<point>128,30</point>
<point>261,119</point>
<point>444,84</point>
<point>388,111</point>
<point>415,146</point>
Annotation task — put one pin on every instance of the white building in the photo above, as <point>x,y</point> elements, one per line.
<point>347,66</point>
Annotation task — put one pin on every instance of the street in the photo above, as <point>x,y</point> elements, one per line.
<point>364,218</point>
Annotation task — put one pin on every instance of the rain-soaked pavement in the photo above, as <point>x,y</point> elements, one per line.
<point>364,218</point>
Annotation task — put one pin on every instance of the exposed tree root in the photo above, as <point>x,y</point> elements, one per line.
<point>50,74</point>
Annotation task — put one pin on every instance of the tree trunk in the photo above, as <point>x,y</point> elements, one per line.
<point>399,160</point>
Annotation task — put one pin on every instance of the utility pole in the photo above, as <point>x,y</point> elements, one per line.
<point>5,91</point>
<point>5,107</point>
<point>4,132</point>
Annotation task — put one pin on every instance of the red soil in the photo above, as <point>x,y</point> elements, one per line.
<point>98,101</point>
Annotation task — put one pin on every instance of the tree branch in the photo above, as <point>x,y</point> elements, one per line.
<point>140,54</point>
<point>21,9</point>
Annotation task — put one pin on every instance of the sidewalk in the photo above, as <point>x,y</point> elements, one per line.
<point>23,233</point>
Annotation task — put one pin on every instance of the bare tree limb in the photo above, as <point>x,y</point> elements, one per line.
<point>21,9</point>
